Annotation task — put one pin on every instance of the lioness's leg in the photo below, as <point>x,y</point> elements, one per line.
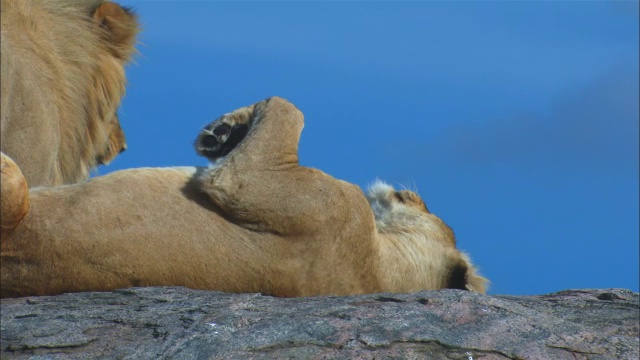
<point>272,130</point>
<point>218,138</point>
<point>325,225</point>
<point>14,194</point>
<point>257,180</point>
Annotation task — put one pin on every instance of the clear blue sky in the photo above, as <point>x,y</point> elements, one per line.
<point>517,122</point>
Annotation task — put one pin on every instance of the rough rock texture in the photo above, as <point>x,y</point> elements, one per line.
<point>178,323</point>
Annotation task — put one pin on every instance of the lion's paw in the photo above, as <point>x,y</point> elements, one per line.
<point>218,138</point>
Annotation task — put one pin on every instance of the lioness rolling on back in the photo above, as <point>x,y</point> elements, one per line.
<point>254,222</point>
<point>62,81</point>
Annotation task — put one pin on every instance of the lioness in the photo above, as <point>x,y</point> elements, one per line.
<point>256,221</point>
<point>62,81</point>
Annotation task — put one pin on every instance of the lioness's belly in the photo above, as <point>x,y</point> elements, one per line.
<point>152,227</point>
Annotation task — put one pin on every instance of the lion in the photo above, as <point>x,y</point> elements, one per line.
<point>62,81</point>
<point>255,221</point>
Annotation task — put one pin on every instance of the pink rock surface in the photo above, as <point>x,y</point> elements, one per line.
<point>177,323</point>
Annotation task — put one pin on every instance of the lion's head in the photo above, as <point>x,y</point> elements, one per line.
<point>62,81</point>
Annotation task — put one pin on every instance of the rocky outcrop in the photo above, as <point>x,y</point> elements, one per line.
<point>178,323</point>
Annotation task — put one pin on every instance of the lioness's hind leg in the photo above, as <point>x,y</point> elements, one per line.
<point>259,184</point>
<point>265,134</point>
<point>14,195</point>
<point>221,136</point>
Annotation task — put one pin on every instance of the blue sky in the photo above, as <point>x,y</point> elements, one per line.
<point>517,122</point>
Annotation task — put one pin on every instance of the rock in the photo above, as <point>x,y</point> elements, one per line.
<point>179,323</point>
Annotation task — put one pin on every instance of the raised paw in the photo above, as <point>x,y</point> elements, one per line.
<point>218,138</point>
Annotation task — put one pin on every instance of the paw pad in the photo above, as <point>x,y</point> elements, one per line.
<point>220,137</point>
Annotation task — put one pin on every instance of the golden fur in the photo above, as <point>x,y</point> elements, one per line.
<point>413,234</point>
<point>14,194</point>
<point>257,221</point>
<point>62,82</point>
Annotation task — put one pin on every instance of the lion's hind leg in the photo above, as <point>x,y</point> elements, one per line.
<point>14,194</point>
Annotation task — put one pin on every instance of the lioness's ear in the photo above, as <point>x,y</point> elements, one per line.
<point>120,25</point>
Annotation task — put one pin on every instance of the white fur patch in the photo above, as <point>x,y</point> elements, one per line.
<point>380,195</point>
<point>379,188</point>
<point>216,163</point>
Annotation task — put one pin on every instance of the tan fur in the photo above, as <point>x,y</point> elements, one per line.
<point>417,243</point>
<point>62,82</point>
<point>256,222</point>
<point>14,194</point>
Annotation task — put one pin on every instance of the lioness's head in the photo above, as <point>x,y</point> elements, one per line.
<point>404,216</point>
<point>405,212</point>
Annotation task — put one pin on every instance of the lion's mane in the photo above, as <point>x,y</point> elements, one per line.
<point>62,82</point>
